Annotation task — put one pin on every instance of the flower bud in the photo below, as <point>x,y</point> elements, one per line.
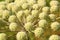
<point>34,13</point>
<point>43,15</point>
<point>6,14</point>
<point>25,6</point>
<point>46,9</point>
<point>9,6</point>
<point>54,9</point>
<point>35,6</point>
<point>3,36</point>
<point>30,18</point>
<point>15,8</point>
<point>43,23</point>
<point>20,14</point>
<point>12,18</point>
<point>52,17</point>
<point>27,12</point>
<point>21,36</point>
<point>54,3</point>
<point>38,32</point>
<point>2,6</point>
<point>31,2</point>
<point>54,37</point>
<point>55,26</point>
<point>28,26</point>
<point>13,26</point>
<point>41,3</point>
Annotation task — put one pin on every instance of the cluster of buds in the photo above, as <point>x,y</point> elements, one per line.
<point>29,20</point>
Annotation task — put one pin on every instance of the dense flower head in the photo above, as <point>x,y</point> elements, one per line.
<point>38,32</point>
<point>52,17</point>
<point>13,26</point>
<point>12,18</point>
<point>54,9</point>
<point>55,26</point>
<point>3,36</point>
<point>43,23</point>
<point>54,37</point>
<point>43,15</point>
<point>46,9</point>
<point>21,36</point>
<point>30,20</point>
<point>28,26</point>
<point>54,3</point>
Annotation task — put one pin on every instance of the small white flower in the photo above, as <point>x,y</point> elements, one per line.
<point>42,3</point>
<point>43,15</point>
<point>31,2</point>
<point>28,26</point>
<point>30,18</point>
<point>35,6</point>
<point>54,3</point>
<point>54,37</point>
<point>20,14</point>
<point>54,9</point>
<point>2,6</point>
<point>13,26</point>
<point>12,18</point>
<point>6,14</point>
<point>52,17</point>
<point>55,26</point>
<point>3,36</point>
<point>38,32</point>
<point>27,12</point>
<point>9,6</point>
<point>21,36</point>
<point>43,23</point>
<point>46,9</point>
<point>35,13</point>
<point>25,6</point>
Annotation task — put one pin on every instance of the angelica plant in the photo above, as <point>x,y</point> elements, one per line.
<point>30,20</point>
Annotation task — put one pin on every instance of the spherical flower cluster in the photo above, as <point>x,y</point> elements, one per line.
<point>52,17</point>
<point>54,3</point>
<point>55,26</point>
<point>54,9</point>
<point>3,36</point>
<point>30,18</point>
<point>12,18</point>
<point>43,23</point>
<point>46,9</point>
<point>13,26</point>
<point>6,14</point>
<point>35,6</point>
<point>27,12</point>
<point>2,6</point>
<point>38,32</point>
<point>31,2</point>
<point>43,15</point>
<point>20,14</point>
<point>54,37</point>
<point>28,26</point>
<point>9,6</point>
<point>25,6</point>
<point>41,3</point>
<point>21,36</point>
<point>35,13</point>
